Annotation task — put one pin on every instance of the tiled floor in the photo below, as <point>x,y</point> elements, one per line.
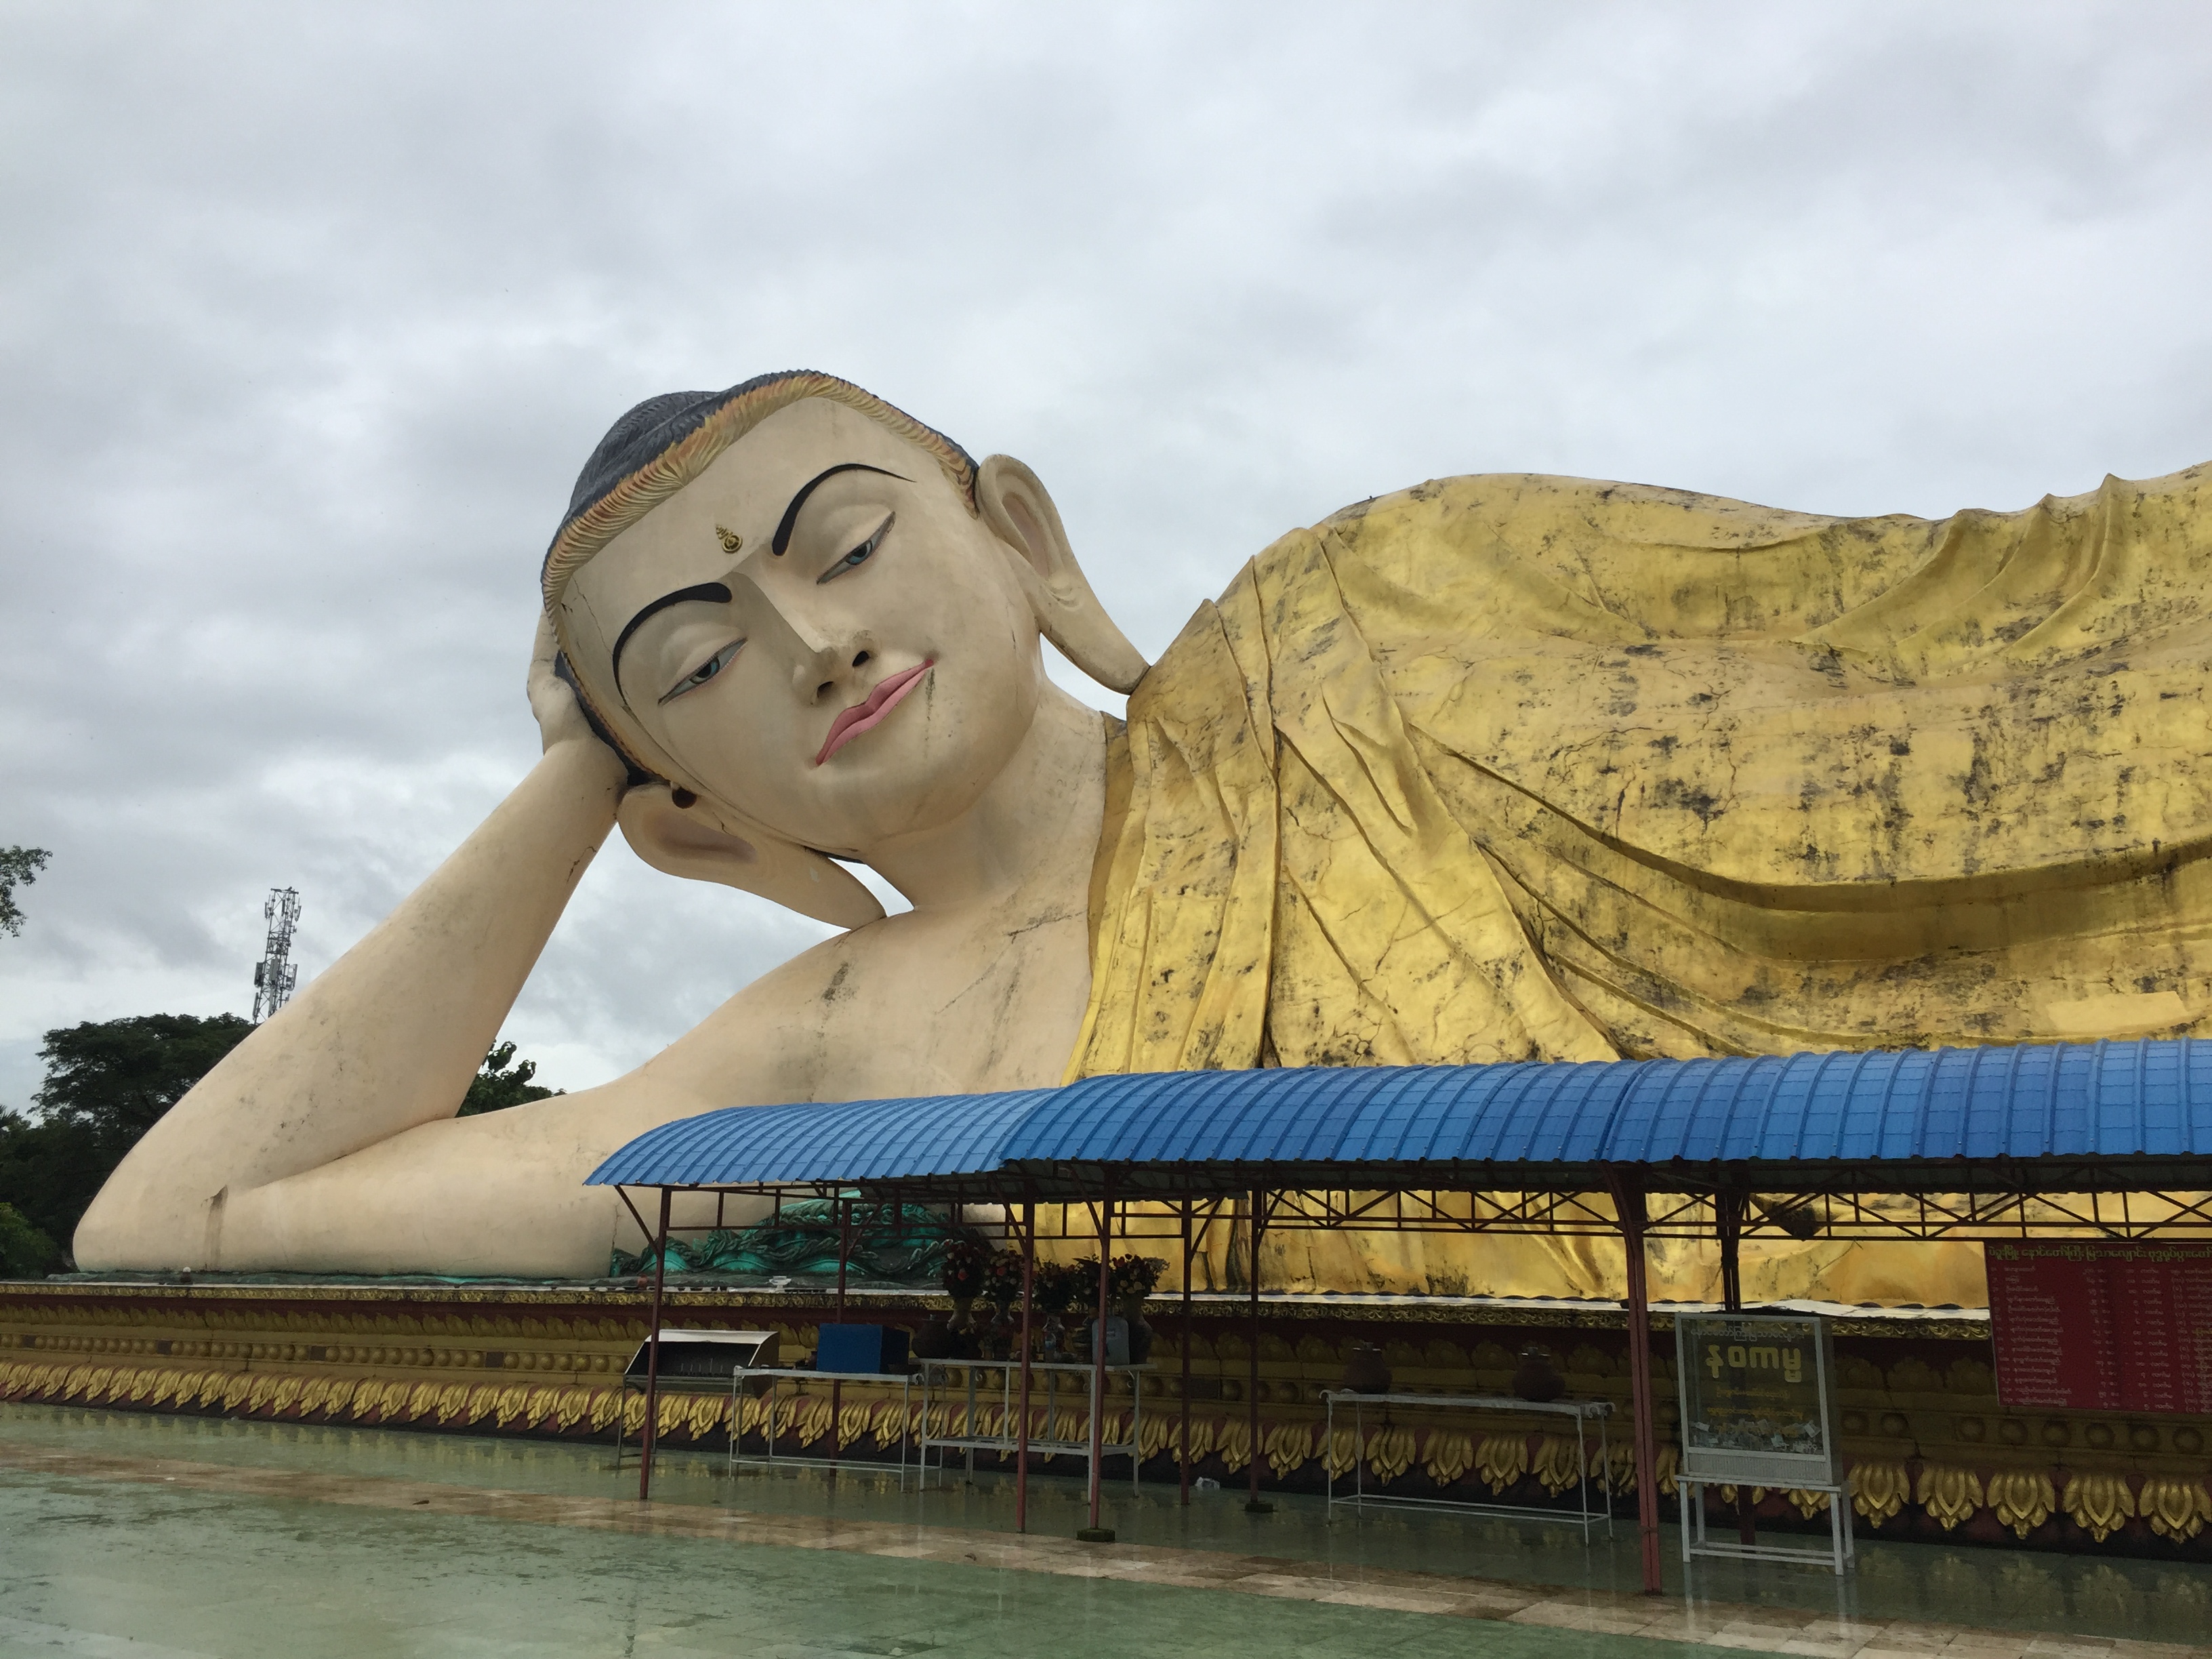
<point>130,1535</point>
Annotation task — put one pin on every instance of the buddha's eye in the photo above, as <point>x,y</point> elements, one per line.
<point>705,672</point>
<point>861,555</point>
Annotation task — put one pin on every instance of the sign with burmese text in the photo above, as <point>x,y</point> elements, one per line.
<point>1757,1398</point>
<point>2099,1325</point>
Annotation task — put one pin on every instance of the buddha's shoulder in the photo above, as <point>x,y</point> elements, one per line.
<point>1545,502</point>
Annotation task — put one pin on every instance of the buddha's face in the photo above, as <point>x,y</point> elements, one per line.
<point>860,667</point>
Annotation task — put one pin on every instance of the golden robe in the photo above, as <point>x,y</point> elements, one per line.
<point>1522,768</point>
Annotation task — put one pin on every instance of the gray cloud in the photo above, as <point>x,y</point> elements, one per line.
<point>308,317</point>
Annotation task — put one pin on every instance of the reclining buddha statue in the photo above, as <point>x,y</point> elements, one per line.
<point>1498,768</point>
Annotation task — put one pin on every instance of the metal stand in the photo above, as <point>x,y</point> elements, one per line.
<point>1841,1555</point>
<point>773,1394</point>
<point>637,1385</point>
<point>1094,1448</point>
<point>1583,1411</point>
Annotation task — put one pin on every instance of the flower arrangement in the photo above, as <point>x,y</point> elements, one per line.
<point>966,1262</point>
<point>1131,1279</point>
<point>1002,1279</point>
<point>1128,1278</point>
<point>1057,1287</point>
<point>1083,1280</point>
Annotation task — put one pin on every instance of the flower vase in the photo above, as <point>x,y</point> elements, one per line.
<point>1140,1334</point>
<point>1364,1372</point>
<point>1536,1379</point>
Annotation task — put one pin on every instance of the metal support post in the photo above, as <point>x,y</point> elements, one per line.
<point>1727,1222</point>
<point>1183,1453</point>
<point>1095,1533</point>
<point>653,1354</point>
<point>1022,1434</point>
<point>837,1387</point>
<point>1253,1503</point>
<point>1628,1197</point>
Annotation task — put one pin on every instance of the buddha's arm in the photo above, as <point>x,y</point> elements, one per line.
<point>387,1039</point>
<point>504,1192</point>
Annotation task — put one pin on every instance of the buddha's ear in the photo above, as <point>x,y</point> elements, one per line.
<point>699,842</point>
<point>1015,506</point>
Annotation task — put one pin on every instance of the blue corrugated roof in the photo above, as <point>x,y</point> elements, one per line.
<point>859,1140</point>
<point>2072,1102</point>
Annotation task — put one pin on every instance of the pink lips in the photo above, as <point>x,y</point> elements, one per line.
<point>866,715</point>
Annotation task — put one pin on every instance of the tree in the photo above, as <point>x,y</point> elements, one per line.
<point>25,1252</point>
<point>504,1082</point>
<point>43,1181</point>
<point>107,1085</point>
<point>117,1078</point>
<point>18,867</point>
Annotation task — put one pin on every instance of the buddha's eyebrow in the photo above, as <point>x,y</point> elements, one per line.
<point>782,540</point>
<point>712,592</point>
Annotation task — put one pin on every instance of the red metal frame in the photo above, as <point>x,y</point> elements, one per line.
<point>1726,1203</point>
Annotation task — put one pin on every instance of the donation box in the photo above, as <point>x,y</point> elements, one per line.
<point>1757,1399</point>
<point>864,1349</point>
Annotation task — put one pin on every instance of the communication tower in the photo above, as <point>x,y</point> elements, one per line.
<point>274,975</point>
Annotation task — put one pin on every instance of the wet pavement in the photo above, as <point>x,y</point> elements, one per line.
<point>135,1534</point>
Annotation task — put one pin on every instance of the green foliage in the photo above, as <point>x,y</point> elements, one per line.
<point>504,1081</point>
<point>25,1252</point>
<point>107,1085</point>
<point>48,1172</point>
<point>118,1077</point>
<point>898,1243</point>
<point>18,867</point>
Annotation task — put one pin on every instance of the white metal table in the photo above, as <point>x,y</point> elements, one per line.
<point>1583,1411</point>
<point>776,1377</point>
<point>1004,1442</point>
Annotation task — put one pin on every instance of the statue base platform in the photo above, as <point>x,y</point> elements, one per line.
<point>1932,1453</point>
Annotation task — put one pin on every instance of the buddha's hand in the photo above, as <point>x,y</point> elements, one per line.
<point>553,699</point>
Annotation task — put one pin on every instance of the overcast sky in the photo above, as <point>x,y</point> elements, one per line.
<point>309,314</point>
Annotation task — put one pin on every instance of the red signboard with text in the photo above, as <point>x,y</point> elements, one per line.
<point>2102,1326</point>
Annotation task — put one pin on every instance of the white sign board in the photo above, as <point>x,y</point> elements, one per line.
<point>1757,1399</point>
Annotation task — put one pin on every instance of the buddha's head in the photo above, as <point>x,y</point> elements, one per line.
<point>811,625</point>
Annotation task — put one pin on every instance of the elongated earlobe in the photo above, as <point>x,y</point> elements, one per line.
<point>708,843</point>
<point>1015,506</point>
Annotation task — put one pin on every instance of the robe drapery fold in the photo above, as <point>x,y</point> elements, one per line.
<point>1524,768</point>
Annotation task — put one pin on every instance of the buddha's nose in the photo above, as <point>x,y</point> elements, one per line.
<point>833,671</point>
<point>831,655</point>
